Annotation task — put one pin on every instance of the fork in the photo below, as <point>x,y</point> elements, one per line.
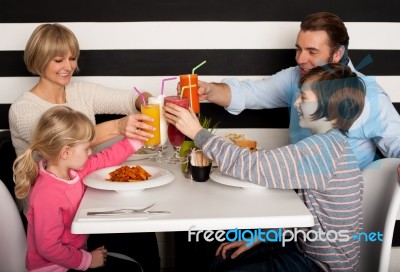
<point>123,211</point>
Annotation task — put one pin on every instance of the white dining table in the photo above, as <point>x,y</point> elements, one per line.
<point>193,206</point>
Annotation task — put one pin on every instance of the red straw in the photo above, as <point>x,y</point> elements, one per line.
<point>141,95</point>
<point>162,86</point>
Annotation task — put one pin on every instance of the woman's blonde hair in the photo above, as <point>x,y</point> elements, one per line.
<point>58,127</point>
<point>47,42</point>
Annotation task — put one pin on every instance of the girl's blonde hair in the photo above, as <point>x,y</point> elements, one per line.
<point>47,42</point>
<point>58,127</point>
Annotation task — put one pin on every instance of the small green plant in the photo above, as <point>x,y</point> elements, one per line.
<point>206,122</point>
<point>188,146</point>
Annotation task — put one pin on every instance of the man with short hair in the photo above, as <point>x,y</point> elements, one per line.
<point>322,39</point>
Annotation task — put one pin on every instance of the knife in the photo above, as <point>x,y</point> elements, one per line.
<point>119,213</point>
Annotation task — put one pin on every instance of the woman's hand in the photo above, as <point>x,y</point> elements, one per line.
<point>241,247</point>
<point>139,100</point>
<point>183,119</point>
<point>133,126</point>
<point>99,257</point>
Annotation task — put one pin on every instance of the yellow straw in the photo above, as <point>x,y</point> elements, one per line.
<point>194,69</point>
<point>190,93</point>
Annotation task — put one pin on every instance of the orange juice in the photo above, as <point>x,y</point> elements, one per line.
<point>163,123</point>
<point>191,93</point>
<point>153,110</point>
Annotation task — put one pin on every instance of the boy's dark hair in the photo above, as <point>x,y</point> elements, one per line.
<point>340,92</point>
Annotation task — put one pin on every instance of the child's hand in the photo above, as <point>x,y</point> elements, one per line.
<point>184,120</point>
<point>99,257</point>
<point>236,247</point>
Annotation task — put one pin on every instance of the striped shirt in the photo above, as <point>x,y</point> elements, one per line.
<point>325,171</point>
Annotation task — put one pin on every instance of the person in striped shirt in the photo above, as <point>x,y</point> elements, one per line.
<point>323,168</point>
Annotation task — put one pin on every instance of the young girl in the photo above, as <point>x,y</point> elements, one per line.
<point>322,167</point>
<point>62,138</point>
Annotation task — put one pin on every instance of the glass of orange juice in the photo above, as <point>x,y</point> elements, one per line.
<point>159,100</point>
<point>152,110</point>
<point>189,87</point>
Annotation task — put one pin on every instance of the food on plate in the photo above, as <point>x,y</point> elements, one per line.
<point>247,143</point>
<point>241,140</point>
<point>127,173</point>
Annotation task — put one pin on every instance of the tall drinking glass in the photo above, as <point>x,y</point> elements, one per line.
<point>159,100</point>
<point>176,137</point>
<point>152,110</point>
<point>189,89</point>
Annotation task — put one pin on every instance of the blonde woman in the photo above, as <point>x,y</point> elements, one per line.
<point>52,53</point>
<point>55,188</point>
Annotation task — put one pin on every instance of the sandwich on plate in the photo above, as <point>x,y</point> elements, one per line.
<point>241,140</point>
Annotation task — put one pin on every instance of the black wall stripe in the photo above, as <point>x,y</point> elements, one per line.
<point>4,116</point>
<point>175,62</point>
<point>247,119</point>
<point>266,118</point>
<point>25,11</point>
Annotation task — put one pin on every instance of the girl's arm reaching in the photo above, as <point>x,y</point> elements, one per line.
<point>113,155</point>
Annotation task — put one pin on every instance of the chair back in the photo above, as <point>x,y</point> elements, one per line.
<point>13,245</point>
<point>7,157</point>
<point>380,204</point>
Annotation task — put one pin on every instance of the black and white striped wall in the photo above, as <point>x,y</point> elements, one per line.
<point>138,43</point>
<point>127,43</point>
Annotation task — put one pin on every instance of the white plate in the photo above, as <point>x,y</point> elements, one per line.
<point>144,153</point>
<point>159,177</point>
<point>218,177</point>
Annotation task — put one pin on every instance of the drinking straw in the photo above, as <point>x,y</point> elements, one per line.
<point>194,69</point>
<point>190,93</point>
<point>162,86</point>
<point>141,95</point>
